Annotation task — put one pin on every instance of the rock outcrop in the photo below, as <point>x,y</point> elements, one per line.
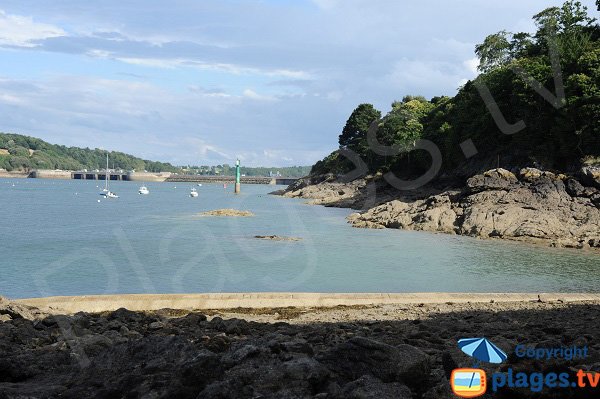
<point>329,193</point>
<point>528,205</point>
<point>10,311</point>
<point>227,212</point>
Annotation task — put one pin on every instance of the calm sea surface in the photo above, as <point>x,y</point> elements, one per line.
<point>57,239</point>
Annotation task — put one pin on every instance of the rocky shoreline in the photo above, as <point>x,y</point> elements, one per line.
<point>388,351</point>
<point>527,204</point>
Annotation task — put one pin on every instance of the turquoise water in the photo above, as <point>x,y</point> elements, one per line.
<point>56,239</point>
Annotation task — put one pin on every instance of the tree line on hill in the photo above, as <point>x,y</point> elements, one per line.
<point>24,153</point>
<point>522,78</point>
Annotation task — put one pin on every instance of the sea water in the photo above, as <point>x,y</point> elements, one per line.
<point>59,237</point>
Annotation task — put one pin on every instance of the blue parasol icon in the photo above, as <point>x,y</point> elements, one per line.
<point>482,350</point>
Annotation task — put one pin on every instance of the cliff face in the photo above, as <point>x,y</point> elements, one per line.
<point>531,205</point>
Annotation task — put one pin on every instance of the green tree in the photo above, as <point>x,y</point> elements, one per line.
<point>354,134</point>
<point>494,51</point>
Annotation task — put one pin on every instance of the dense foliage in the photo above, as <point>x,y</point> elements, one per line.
<point>25,153</point>
<point>559,132</point>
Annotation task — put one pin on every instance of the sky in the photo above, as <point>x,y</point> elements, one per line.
<point>203,82</point>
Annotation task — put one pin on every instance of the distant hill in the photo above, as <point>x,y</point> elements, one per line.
<point>24,153</point>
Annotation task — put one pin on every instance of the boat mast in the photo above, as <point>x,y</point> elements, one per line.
<point>106,177</point>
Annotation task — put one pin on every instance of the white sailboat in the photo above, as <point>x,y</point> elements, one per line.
<point>106,193</point>
<point>193,193</point>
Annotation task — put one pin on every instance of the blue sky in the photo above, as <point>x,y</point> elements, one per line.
<point>206,81</point>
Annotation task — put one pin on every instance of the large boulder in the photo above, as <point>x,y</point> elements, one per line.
<point>433,214</point>
<point>495,179</point>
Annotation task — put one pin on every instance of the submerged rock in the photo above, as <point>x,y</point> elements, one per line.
<point>227,212</point>
<point>278,238</point>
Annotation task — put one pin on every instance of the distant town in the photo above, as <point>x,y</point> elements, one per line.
<point>228,170</point>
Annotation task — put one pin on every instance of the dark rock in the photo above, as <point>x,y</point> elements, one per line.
<point>305,369</point>
<point>125,316</point>
<point>440,391</point>
<point>596,199</point>
<point>219,343</point>
<point>591,175</point>
<point>496,179</point>
<point>368,387</point>
<point>218,390</point>
<point>157,325</point>
<point>204,366</point>
<point>298,346</point>
<point>237,326</point>
<point>574,188</point>
<point>448,363</point>
<point>114,325</point>
<point>217,324</point>
<point>90,344</point>
<point>241,354</point>
<point>547,187</point>
<point>57,320</point>
<point>195,317</point>
<point>359,356</point>
<point>115,337</point>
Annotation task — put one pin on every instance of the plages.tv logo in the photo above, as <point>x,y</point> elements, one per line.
<point>472,382</point>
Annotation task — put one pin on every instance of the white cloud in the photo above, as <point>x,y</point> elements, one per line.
<point>147,62</point>
<point>416,73</point>
<point>326,4</point>
<point>20,31</point>
<point>172,63</point>
<point>202,149</point>
<point>472,65</point>
<point>11,99</point>
<point>249,93</point>
<point>286,73</point>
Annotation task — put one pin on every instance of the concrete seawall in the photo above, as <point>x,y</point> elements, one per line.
<point>50,174</point>
<point>140,302</point>
<point>11,175</point>
<point>148,176</point>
